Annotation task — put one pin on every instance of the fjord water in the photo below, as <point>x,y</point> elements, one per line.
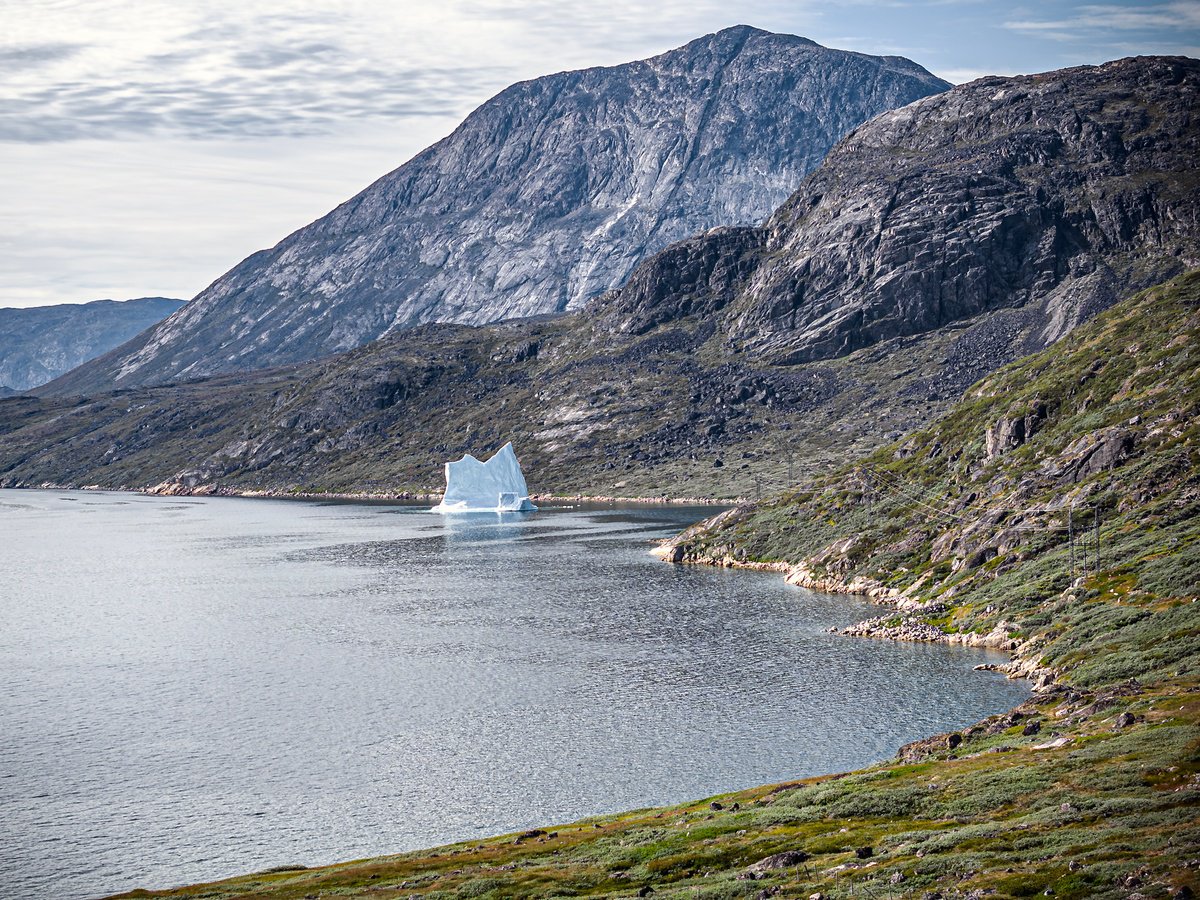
<point>194,688</point>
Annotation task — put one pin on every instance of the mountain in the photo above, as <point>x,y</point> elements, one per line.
<point>1047,196</point>
<point>40,343</point>
<point>547,195</point>
<point>688,381</point>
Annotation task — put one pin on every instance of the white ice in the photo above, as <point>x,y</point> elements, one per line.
<point>493,486</point>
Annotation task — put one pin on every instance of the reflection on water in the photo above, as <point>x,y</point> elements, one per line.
<point>201,688</point>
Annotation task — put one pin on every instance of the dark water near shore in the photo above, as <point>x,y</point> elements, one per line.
<point>195,688</point>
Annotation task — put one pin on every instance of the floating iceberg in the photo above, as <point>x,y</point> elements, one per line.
<point>493,486</point>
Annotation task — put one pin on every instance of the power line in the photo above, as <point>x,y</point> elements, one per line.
<point>1019,510</point>
<point>1090,545</point>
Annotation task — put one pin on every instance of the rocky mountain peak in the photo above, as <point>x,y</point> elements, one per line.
<point>547,195</point>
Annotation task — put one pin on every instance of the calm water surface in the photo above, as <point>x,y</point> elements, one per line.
<point>195,688</point>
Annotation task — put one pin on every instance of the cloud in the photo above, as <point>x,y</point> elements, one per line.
<point>29,55</point>
<point>247,75</point>
<point>275,57</point>
<point>267,91</point>
<point>1085,21</point>
<point>88,219</point>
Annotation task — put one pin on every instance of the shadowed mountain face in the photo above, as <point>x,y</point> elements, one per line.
<point>40,343</point>
<point>903,270</point>
<point>547,195</point>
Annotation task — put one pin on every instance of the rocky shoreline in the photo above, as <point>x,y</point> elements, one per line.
<point>182,489</point>
<point>903,625</point>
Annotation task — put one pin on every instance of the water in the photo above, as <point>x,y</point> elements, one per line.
<point>195,688</point>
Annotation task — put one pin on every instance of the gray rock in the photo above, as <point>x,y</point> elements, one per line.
<point>1008,434</point>
<point>1104,452</point>
<point>785,860</point>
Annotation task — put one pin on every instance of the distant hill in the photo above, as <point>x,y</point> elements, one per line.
<point>42,342</point>
<point>547,195</point>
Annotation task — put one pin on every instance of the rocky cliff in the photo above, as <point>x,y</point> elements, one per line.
<point>1049,195</point>
<point>40,343</point>
<point>547,195</point>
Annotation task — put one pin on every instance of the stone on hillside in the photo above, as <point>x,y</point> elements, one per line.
<point>785,860</point>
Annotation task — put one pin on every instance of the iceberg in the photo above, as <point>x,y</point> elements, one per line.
<point>493,486</point>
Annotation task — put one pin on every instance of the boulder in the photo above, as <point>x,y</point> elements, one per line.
<point>785,860</point>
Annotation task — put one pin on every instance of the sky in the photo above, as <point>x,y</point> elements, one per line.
<point>147,146</point>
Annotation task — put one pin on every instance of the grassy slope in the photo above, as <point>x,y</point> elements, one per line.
<point>974,541</point>
<point>1100,799</point>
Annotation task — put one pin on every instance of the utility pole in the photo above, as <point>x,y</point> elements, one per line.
<point>1086,546</point>
<point>1083,545</point>
<point>1071,539</point>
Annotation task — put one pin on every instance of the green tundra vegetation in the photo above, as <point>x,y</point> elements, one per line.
<point>986,522</point>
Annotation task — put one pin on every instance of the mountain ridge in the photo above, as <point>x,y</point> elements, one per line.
<point>652,389</point>
<point>546,195</point>
<point>1025,192</point>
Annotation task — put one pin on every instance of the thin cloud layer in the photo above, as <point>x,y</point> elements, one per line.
<point>246,80</point>
<point>114,69</point>
<point>155,68</point>
<point>33,55</point>
<point>1086,20</point>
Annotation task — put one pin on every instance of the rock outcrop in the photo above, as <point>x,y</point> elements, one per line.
<point>544,197</point>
